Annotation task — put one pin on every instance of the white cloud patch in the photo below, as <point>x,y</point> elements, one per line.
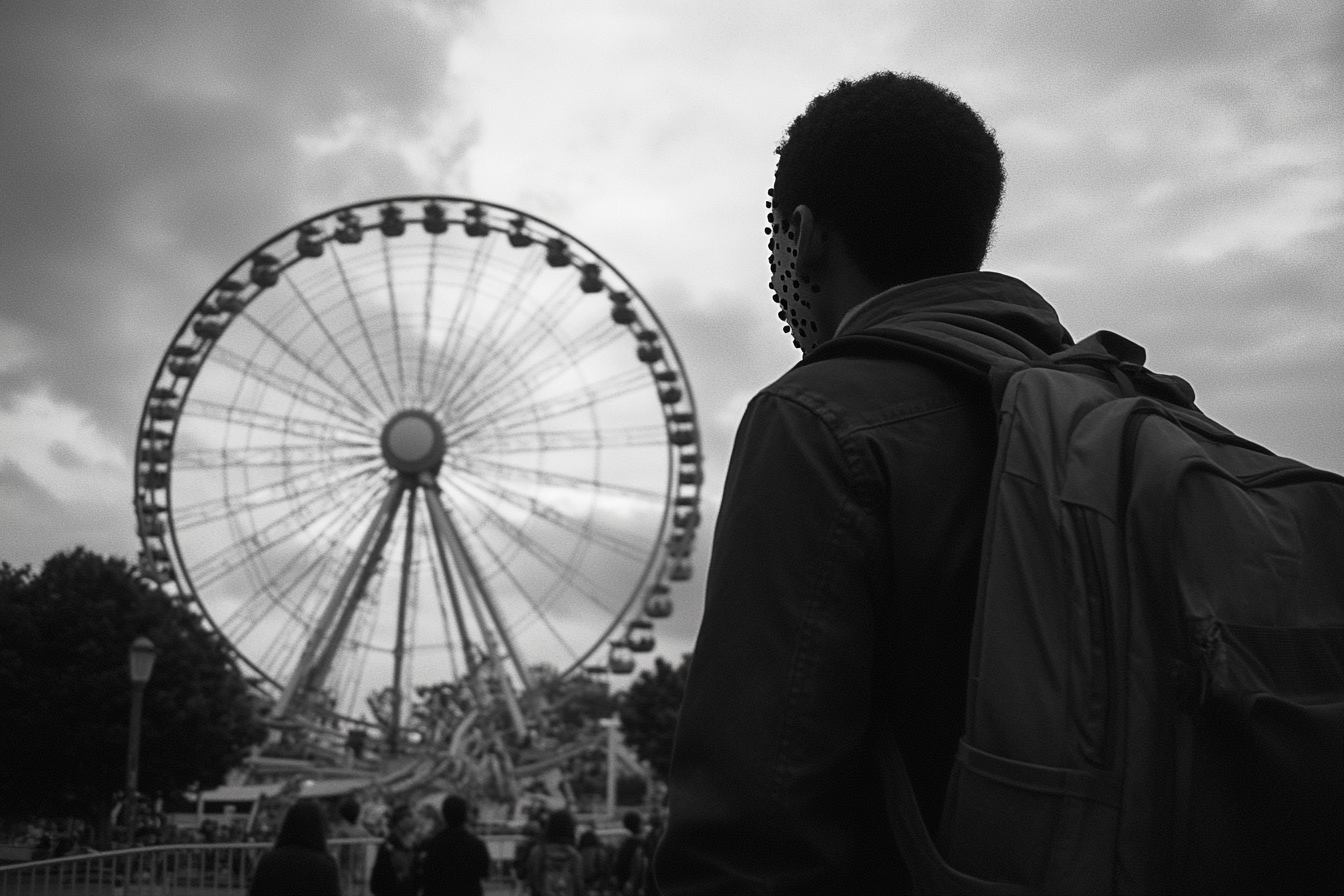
<point>59,445</point>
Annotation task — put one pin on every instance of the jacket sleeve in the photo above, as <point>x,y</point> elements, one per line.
<point>768,779</point>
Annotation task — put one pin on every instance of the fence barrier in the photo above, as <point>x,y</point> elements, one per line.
<point>216,869</point>
<point>181,869</point>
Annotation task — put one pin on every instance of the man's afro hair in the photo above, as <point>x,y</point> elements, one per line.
<point>906,171</point>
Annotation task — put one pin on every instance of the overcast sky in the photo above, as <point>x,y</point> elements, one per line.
<point>1176,173</point>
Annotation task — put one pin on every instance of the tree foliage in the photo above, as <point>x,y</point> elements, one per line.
<point>649,712</point>
<point>64,716</point>
<point>571,707</point>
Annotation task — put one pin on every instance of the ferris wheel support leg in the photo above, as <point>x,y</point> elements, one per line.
<point>321,647</point>
<point>524,677</point>
<point>447,533</point>
<point>399,650</point>
<point>440,543</point>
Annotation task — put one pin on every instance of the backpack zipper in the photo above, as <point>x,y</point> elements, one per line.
<point>1101,631</point>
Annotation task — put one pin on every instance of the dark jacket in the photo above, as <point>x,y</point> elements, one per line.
<point>456,861</point>
<point>840,591</point>
<point>287,870</point>
<point>396,869</point>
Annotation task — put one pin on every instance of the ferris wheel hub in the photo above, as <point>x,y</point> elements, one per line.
<point>413,442</point>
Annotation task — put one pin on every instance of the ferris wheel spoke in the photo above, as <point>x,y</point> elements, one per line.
<point>492,442</point>
<point>578,399</point>
<point>568,573</point>
<point>288,350</point>
<point>267,598</point>
<point>335,344</point>
<point>518,533</point>
<point>292,426</point>
<point>511,347</point>
<point>521,381</point>
<point>553,516</point>
<point>396,321</point>
<point>217,565</point>
<point>363,326</point>
<point>513,300</point>
<point>506,346</point>
<point>214,509</point>
<point>347,667</point>
<point>263,456</point>
<point>537,605</point>
<point>483,468</point>
<point>452,351</point>
<point>316,399</point>
<point>425,325</point>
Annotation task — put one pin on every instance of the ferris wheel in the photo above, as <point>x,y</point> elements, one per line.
<point>414,440</point>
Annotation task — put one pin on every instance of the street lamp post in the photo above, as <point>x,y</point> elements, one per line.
<point>612,725</point>
<point>142,654</point>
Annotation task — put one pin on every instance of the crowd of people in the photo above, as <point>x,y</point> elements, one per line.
<point>431,851</point>
<point>556,860</point>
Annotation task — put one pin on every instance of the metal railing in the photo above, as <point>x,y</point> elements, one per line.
<point>181,869</point>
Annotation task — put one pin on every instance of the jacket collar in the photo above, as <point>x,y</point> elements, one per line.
<point>987,296</point>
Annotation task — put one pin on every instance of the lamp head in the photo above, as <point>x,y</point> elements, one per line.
<point>142,656</point>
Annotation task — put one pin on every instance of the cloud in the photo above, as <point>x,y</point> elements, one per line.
<point>150,144</point>
<point>1176,173</point>
<point>63,481</point>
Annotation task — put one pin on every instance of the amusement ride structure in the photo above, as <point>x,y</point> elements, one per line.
<point>420,440</point>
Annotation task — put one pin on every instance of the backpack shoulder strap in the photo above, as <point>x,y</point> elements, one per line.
<point>985,356</point>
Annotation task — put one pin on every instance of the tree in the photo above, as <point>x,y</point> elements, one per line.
<point>64,634</point>
<point>572,707</point>
<point>649,712</point>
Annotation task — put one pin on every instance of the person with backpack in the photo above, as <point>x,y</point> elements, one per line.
<point>594,855</point>
<point>988,611</point>
<point>842,580</point>
<point>555,867</point>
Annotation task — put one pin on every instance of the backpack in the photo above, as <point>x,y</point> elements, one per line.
<point>554,869</point>
<point>1155,699</point>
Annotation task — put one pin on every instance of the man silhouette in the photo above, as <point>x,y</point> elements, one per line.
<point>843,576</point>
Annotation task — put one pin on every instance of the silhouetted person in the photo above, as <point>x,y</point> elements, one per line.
<point>299,862</point>
<point>593,853</point>
<point>456,860</point>
<point>352,858</point>
<point>843,577</point>
<point>632,856</point>
<point>554,866</point>
<point>396,869</point>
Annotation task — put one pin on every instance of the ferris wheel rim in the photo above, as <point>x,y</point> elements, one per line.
<point>145,493</point>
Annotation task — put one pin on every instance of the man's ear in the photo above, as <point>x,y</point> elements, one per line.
<point>811,243</point>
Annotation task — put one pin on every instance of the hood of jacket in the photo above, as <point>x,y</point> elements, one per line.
<point>995,306</point>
